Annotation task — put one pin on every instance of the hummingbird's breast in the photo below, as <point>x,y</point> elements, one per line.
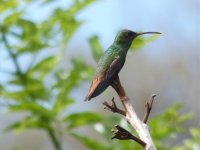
<point>109,56</point>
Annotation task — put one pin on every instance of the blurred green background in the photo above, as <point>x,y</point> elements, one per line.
<point>48,54</point>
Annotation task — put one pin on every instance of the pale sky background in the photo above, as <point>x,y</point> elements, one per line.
<point>168,66</point>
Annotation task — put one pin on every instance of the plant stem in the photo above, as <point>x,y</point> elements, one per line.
<point>12,56</point>
<point>55,141</point>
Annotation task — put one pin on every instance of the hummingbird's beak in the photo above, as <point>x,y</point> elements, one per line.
<point>148,33</point>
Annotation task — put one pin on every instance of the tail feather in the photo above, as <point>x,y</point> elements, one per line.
<point>97,87</point>
<point>87,98</point>
<point>93,88</point>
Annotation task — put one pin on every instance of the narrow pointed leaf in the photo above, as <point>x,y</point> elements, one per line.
<point>97,50</point>
<point>45,66</point>
<point>27,123</point>
<point>62,104</point>
<point>140,41</point>
<point>10,20</point>
<point>90,143</point>
<point>81,119</point>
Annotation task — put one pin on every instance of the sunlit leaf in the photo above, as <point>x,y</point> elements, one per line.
<point>79,72</point>
<point>83,118</point>
<point>34,87</point>
<point>66,22</point>
<point>27,123</point>
<point>37,110</point>
<point>196,133</point>
<point>45,66</point>
<point>66,19</point>
<point>171,125</point>
<point>30,37</point>
<point>91,143</point>
<point>191,143</point>
<point>20,95</point>
<point>79,5</point>
<point>140,41</point>
<point>96,47</point>
<point>62,104</point>
<point>8,4</point>
<point>11,19</point>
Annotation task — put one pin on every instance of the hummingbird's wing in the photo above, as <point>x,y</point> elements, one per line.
<point>102,81</point>
<point>95,83</point>
<point>114,69</point>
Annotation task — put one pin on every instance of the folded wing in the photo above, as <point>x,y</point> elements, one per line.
<point>102,81</point>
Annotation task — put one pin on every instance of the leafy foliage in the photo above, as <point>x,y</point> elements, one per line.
<point>83,118</point>
<point>29,89</point>
<point>97,50</point>
<point>170,121</point>
<point>193,143</point>
<point>91,143</point>
<point>164,128</point>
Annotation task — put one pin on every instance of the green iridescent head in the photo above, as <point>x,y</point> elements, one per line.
<point>125,37</point>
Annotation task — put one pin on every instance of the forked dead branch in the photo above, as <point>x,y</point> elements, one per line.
<point>141,127</point>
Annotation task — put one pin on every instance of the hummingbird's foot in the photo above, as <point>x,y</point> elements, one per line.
<point>148,106</point>
<point>113,107</point>
<point>122,134</point>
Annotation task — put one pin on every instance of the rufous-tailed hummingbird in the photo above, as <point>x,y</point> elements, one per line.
<point>112,62</point>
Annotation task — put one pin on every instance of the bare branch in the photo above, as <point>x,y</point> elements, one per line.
<point>131,116</point>
<point>113,107</point>
<point>122,134</point>
<point>148,106</point>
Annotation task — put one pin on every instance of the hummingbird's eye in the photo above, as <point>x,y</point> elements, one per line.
<point>129,35</point>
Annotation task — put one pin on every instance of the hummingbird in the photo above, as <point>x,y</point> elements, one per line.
<point>112,61</point>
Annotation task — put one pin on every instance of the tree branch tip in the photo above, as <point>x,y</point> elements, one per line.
<point>149,105</point>
<point>113,107</point>
<point>152,100</point>
<point>153,97</point>
<point>122,134</point>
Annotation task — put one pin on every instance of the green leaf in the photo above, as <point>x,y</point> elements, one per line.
<point>79,72</point>
<point>171,122</point>
<point>79,5</point>
<point>192,143</point>
<point>97,50</point>
<point>90,143</point>
<point>37,110</point>
<point>66,19</point>
<point>30,38</point>
<point>195,132</point>
<point>66,22</point>
<point>12,19</point>
<point>20,95</point>
<point>83,118</point>
<point>45,66</point>
<point>140,41</point>
<point>34,87</point>
<point>62,104</point>
<point>29,88</point>
<point>8,4</point>
<point>27,123</point>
